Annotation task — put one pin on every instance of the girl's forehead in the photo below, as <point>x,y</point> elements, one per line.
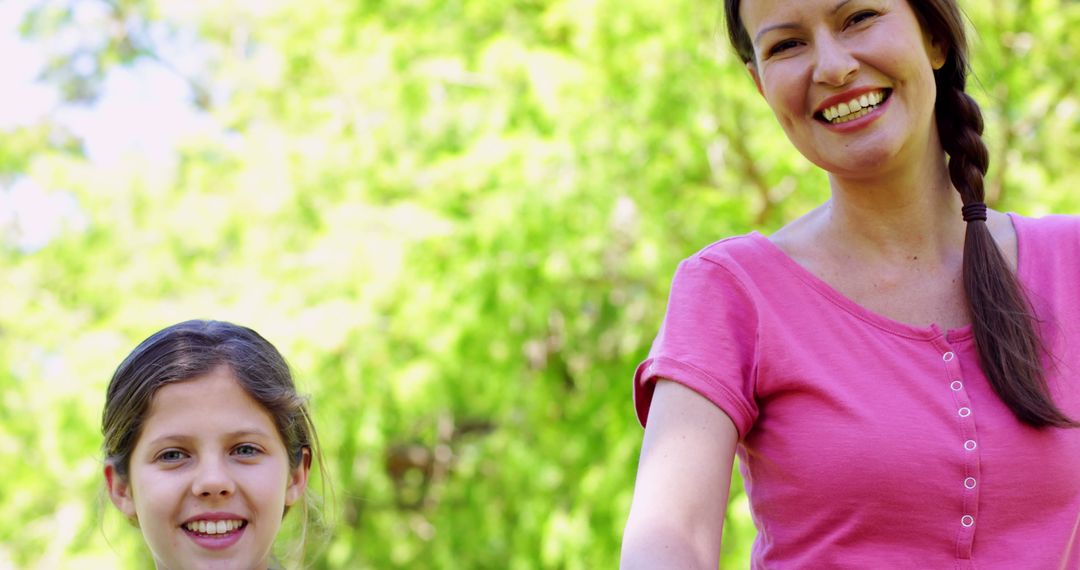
<point>213,403</point>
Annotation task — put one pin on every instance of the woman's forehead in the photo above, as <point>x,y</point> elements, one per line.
<point>759,14</point>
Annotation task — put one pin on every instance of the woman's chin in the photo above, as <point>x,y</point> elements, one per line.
<point>869,161</point>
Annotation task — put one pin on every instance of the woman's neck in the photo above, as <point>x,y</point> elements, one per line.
<point>904,213</point>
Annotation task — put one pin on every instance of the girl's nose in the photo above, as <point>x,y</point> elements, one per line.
<point>212,479</point>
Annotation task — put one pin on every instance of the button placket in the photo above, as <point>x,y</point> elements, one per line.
<point>969,455</point>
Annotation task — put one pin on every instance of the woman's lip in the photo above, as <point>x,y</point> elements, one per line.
<point>216,541</point>
<point>848,96</point>
<point>859,123</point>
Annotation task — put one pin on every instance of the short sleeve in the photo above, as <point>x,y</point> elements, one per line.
<point>707,342</point>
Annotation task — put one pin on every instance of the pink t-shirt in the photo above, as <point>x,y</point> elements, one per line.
<point>868,443</point>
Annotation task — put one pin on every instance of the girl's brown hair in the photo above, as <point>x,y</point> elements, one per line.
<point>194,348</point>
<point>1010,349</point>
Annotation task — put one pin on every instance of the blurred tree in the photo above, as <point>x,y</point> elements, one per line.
<point>458,219</point>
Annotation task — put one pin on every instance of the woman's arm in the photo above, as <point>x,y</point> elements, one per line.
<point>683,479</point>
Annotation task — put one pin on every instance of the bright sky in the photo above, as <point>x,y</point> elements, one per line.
<point>21,101</point>
<point>142,113</point>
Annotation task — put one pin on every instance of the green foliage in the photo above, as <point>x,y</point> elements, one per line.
<point>459,221</point>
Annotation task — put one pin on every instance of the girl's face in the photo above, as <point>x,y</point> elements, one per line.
<point>850,81</point>
<point>209,478</point>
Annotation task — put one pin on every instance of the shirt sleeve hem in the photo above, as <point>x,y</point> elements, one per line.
<point>653,369</point>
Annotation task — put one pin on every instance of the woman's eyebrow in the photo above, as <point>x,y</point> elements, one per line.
<point>792,25</point>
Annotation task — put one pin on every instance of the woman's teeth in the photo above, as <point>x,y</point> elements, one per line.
<point>214,527</point>
<point>855,108</point>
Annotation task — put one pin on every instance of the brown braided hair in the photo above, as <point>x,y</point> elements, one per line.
<point>1010,349</point>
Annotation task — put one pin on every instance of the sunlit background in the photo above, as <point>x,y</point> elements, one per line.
<point>457,219</point>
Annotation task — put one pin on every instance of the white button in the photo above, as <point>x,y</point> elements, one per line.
<point>948,356</point>
<point>967,521</point>
<point>969,445</point>
<point>969,483</point>
<point>964,412</point>
<point>956,385</point>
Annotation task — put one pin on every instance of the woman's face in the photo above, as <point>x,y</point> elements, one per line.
<point>209,478</point>
<point>851,81</point>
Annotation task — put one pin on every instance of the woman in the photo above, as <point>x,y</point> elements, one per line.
<point>897,369</point>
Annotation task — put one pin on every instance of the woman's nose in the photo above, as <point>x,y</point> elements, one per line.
<point>833,63</point>
<point>212,478</point>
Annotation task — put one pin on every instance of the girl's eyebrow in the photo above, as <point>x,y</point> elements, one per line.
<point>241,433</point>
<point>792,25</point>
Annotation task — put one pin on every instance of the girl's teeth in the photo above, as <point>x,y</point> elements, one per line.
<point>214,527</point>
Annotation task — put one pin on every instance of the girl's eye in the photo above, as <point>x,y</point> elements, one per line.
<point>246,450</point>
<point>171,455</point>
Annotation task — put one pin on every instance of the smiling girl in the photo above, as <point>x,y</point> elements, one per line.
<point>898,370</point>
<point>207,445</point>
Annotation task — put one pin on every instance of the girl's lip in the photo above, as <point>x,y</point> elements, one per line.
<point>861,122</point>
<point>216,541</point>
<point>215,516</point>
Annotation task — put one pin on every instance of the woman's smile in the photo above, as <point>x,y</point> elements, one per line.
<point>851,104</point>
<point>859,67</point>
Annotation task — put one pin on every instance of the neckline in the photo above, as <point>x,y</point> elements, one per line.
<point>878,320</point>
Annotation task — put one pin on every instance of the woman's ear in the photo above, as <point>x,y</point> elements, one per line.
<point>937,51</point>
<point>754,75</point>
<point>298,479</point>
<point>119,491</point>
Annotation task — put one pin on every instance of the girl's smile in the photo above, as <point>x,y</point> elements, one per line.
<point>209,479</point>
<point>215,531</point>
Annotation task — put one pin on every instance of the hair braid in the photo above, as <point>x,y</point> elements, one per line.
<point>1010,349</point>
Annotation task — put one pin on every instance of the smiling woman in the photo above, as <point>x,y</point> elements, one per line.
<point>207,445</point>
<point>895,369</point>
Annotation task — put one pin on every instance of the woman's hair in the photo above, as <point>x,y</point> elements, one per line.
<point>1010,349</point>
<point>194,348</point>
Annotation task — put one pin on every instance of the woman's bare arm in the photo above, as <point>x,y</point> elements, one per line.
<point>681,493</point>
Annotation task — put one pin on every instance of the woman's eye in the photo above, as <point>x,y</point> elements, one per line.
<point>782,46</point>
<point>246,450</point>
<point>171,455</point>
<point>859,17</point>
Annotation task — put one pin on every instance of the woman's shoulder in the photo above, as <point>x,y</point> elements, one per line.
<point>1048,243</point>
<point>745,259</point>
<point>732,249</point>
<point>1059,226</point>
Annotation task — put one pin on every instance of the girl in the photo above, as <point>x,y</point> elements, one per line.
<point>207,445</point>
<point>897,369</point>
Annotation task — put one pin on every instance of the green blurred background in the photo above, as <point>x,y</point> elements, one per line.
<point>457,219</point>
